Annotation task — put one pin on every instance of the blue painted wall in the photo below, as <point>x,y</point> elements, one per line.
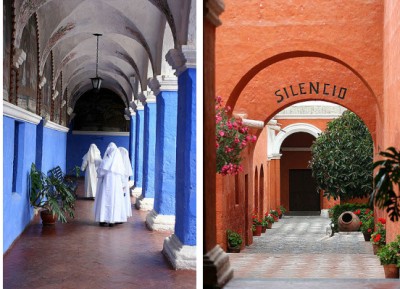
<point>149,149</point>
<point>185,225</point>
<point>54,149</point>
<point>16,209</point>
<point>165,166</point>
<point>139,148</point>
<point>78,145</point>
<point>132,143</point>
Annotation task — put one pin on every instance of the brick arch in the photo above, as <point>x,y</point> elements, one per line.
<point>256,92</point>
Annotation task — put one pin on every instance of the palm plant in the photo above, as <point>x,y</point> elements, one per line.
<point>387,178</point>
<point>50,194</point>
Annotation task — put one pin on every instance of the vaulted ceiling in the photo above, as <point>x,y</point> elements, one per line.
<point>136,34</point>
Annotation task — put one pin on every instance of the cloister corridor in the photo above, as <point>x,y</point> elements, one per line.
<point>81,254</point>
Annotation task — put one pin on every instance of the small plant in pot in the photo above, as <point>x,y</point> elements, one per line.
<point>234,241</point>
<point>51,197</point>
<point>258,226</point>
<point>367,225</point>
<point>389,257</point>
<point>378,238</point>
<point>282,209</point>
<point>269,219</point>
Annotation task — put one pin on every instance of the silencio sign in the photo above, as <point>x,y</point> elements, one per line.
<point>317,88</point>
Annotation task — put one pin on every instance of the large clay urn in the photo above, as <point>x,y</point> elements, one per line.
<point>348,222</point>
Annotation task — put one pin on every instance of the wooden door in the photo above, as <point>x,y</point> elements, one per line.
<point>303,194</point>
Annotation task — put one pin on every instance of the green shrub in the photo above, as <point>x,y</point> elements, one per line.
<point>341,158</point>
<point>337,210</point>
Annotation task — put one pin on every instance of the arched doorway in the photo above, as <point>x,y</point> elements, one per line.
<point>298,188</point>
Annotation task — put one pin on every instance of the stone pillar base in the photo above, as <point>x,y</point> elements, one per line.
<point>144,204</point>
<point>156,222</point>
<point>180,256</point>
<point>136,192</point>
<point>217,270</point>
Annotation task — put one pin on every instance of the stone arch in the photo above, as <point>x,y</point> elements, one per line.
<point>291,129</point>
<point>256,92</point>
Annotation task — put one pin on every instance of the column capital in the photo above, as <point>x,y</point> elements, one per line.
<point>213,9</point>
<point>181,60</point>
<point>42,82</point>
<point>147,97</point>
<point>19,57</point>
<point>163,83</point>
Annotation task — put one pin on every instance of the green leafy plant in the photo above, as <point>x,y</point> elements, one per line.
<point>51,194</point>
<point>341,158</point>
<point>379,236</point>
<point>387,178</point>
<point>337,210</point>
<point>282,208</point>
<point>367,223</point>
<point>256,220</point>
<point>390,254</point>
<point>269,218</point>
<point>234,239</point>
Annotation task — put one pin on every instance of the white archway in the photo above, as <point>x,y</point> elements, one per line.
<point>289,130</point>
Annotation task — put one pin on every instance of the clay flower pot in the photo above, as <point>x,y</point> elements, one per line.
<point>375,248</point>
<point>269,226</point>
<point>257,232</point>
<point>47,218</point>
<point>367,236</point>
<point>233,249</point>
<point>391,271</point>
<point>263,229</point>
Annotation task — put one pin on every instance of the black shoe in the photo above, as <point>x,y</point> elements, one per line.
<point>118,223</point>
<point>111,224</point>
<point>102,224</point>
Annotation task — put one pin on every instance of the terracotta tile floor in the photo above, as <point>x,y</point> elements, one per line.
<point>81,254</point>
<point>297,253</point>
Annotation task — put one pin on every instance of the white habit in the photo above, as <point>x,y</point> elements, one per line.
<point>110,204</point>
<point>90,162</point>
<point>128,172</point>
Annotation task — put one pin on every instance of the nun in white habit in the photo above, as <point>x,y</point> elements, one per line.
<point>110,204</point>
<point>90,162</point>
<point>128,172</point>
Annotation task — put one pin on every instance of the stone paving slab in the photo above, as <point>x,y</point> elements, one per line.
<point>314,284</point>
<point>298,247</point>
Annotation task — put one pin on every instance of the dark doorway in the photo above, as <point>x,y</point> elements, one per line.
<point>303,195</point>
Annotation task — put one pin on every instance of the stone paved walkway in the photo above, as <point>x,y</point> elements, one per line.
<point>298,247</point>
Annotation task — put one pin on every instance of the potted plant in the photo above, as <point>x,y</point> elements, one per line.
<point>234,241</point>
<point>269,219</point>
<point>264,225</point>
<point>389,257</point>
<point>51,197</point>
<point>367,224</point>
<point>257,224</point>
<point>283,210</point>
<point>274,214</point>
<point>379,236</point>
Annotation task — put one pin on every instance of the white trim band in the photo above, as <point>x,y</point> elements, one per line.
<point>107,133</point>
<point>18,113</point>
<point>54,126</point>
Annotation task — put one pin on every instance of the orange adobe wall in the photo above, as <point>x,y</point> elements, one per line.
<point>272,54</point>
<point>391,100</point>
